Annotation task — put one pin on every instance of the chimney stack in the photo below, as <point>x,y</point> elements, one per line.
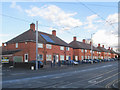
<point>32,26</point>
<point>99,45</point>
<point>2,44</point>
<point>54,32</point>
<point>83,40</point>
<point>103,46</point>
<point>90,42</point>
<point>74,38</point>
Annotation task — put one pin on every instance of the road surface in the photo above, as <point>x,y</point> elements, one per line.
<point>99,75</point>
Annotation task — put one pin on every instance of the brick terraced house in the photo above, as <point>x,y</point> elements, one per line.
<point>82,50</point>
<point>50,47</point>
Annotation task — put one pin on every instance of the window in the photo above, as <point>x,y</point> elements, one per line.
<point>85,50</point>
<point>16,45</point>
<point>81,50</point>
<point>61,48</point>
<point>90,51</point>
<point>48,46</point>
<point>67,57</point>
<point>40,57</point>
<point>25,42</point>
<point>82,57</point>
<point>76,58</point>
<point>40,45</point>
<point>61,57</point>
<point>88,57</point>
<point>85,57</point>
<point>48,57</point>
<point>67,48</point>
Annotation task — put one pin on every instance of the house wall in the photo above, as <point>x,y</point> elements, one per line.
<point>30,49</point>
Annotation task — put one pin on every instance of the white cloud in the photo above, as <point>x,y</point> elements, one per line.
<point>113,18</point>
<point>18,7</point>
<point>89,23</point>
<point>105,37</point>
<point>55,15</point>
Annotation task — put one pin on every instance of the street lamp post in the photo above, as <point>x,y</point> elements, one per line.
<point>36,45</point>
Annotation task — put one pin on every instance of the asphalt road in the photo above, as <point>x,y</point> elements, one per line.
<point>99,75</point>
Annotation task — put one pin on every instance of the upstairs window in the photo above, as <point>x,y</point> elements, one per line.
<point>16,45</point>
<point>67,48</point>
<point>48,46</point>
<point>61,48</point>
<point>81,50</point>
<point>85,50</point>
<point>40,45</point>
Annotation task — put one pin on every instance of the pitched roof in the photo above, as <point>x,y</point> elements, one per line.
<point>103,49</point>
<point>112,51</point>
<point>79,45</point>
<point>30,35</point>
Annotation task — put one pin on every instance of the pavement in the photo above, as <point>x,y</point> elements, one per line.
<point>98,75</point>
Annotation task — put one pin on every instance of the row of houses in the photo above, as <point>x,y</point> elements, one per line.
<point>50,47</point>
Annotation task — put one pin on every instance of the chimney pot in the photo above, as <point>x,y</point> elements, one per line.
<point>54,32</point>
<point>90,43</point>
<point>109,48</point>
<point>98,45</point>
<point>83,40</point>
<point>103,46</point>
<point>74,38</point>
<point>32,26</point>
<point>2,44</point>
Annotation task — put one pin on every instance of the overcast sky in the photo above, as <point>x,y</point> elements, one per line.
<point>69,19</point>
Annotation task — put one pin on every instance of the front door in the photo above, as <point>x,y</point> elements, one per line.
<point>57,58</point>
<point>26,57</point>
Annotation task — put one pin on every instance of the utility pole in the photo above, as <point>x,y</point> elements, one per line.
<point>91,47</point>
<point>36,45</point>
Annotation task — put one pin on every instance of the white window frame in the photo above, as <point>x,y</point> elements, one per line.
<point>48,57</point>
<point>61,47</point>
<point>81,50</point>
<point>85,50</point>
<point>48,46</point>
<point>82,57</point>
<point>67,57</point>
<point>39,56</point>
<point>61,57</point>
<point>16,45</point>
<point>67,48</point>
<point>40,45</point>
<point>76,58</point>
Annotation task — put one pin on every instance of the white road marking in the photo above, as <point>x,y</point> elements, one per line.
<point>94,80</point>
<point>103,80</point>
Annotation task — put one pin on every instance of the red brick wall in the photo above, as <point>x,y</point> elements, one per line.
<point>30,49</point>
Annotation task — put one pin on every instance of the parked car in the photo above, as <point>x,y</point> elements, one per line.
<point>95,60</point>
<point>84,61</point>
<point>40,64</point>
<point>74,62</point>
